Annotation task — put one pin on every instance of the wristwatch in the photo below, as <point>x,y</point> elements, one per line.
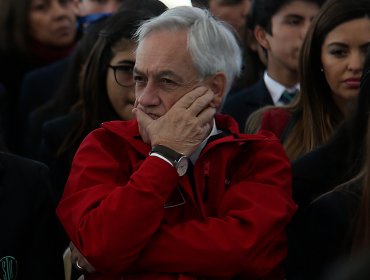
<point>178,160</point>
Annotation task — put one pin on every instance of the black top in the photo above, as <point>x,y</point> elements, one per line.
<point>325,233</point>
<point>30,245</point>
<point>331,225</point>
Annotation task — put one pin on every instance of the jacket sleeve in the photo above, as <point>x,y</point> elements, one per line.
<point>248,238</point>
<point>108,221</point>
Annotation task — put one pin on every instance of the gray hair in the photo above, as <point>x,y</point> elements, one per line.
<point>212,44</point>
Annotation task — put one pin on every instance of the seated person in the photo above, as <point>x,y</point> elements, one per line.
<point>331,188</point>
<point>279,26</point>
<point>29,247</point>
<point>179,193</point>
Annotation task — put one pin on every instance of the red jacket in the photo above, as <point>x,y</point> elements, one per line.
<point>133,217</point>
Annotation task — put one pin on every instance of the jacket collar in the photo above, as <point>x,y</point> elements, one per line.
<point>130,132</point>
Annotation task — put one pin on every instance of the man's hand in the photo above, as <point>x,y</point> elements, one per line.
<point>79,261</point>
<point>184,126</point>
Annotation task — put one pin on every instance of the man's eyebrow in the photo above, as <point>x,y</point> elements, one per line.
<point>160,74</point>
<point>168,73</point>
<point>296,16</point>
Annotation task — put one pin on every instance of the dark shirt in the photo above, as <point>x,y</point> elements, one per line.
<point>30,245</point>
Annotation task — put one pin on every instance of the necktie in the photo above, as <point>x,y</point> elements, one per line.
<point>286,97</point>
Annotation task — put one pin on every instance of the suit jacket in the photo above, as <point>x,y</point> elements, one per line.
<point>38,87</point>
<point>245,102</point>
<point>29,247</point>
<point>54,133</point>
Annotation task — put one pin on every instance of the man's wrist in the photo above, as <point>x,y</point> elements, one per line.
<point>177,160</point>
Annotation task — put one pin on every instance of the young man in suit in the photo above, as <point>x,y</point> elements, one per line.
<point>280,27</point>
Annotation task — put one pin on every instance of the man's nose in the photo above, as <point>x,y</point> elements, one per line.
<point>147,95</point>
<point>305,27</point>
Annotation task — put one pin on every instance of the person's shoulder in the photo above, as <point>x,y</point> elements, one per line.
<point>276,111</point>
<point>119,127</point>
<point>249,94</point>
<point>345,199</point>
<point>114,139</point>
<point>60,126</point>
<point>20,167</point>
<point>41,74</point>
<point>273,114</point>
<point>319,171</point>
<point>227,123</point>
<point>112,132</point>
<point>11,160</point>
<point>261,140</point>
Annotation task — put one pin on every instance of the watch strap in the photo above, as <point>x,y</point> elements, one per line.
<point>168,153</point>
<point>161,157</point>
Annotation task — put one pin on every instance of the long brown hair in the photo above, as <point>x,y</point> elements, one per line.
<point>315,112</point>
<point>13,25</point>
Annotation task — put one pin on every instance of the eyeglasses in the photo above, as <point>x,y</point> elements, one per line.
<point>123,74</point>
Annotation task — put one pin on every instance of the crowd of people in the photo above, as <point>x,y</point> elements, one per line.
<point>208,139</point>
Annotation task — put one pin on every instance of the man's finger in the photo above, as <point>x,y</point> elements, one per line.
<point>201,102</point>
<point>206,115</point>
<point>143,119</point>
<point>188,99</point>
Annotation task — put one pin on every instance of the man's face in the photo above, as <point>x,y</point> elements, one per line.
<point>288,30</point>
<point>164,72</point>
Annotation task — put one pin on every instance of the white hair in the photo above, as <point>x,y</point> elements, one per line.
<point>212,44</point>
<point>174,3</point>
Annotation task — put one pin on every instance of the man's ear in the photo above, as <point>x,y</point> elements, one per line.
<point>217,84</point>
<point>261,36</point>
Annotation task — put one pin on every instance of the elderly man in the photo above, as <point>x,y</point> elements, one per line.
<point>179,193</point>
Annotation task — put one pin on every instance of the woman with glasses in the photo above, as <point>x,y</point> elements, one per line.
<point>106,93</point>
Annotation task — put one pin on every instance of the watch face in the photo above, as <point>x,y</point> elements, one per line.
<point>182,166</point>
